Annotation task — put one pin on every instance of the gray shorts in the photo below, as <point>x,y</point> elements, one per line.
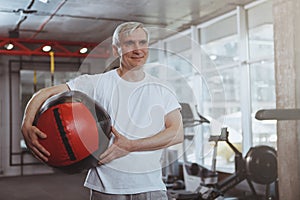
<point>154,195</point>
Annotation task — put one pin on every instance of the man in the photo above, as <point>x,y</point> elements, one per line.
<point>145,116</point>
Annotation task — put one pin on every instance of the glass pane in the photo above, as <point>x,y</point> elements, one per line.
<point>223,51</point>
<point>261,46</point>
<point>219,41</point>
<point>154,52</point>
<point>229,116</point>
<point>260,23</point>
<point>179,55</point>
<point>223,87</point>
<point>29,84</point>
<point>261,42</point>
<point>263,97</point>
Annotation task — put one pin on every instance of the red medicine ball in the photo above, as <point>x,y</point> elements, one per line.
<point>77,128</point>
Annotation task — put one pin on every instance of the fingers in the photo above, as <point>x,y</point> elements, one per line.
<point>115,132</point>
<point>40,133</point>
<point>112,153</point>
<point>116,150</point>
<point>39,155</point>
<point>40,150</point>
<point>107,152</point>
<point>106,156</point>
<point>31,137</point>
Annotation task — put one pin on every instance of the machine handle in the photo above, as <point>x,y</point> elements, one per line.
<point>278,114</point>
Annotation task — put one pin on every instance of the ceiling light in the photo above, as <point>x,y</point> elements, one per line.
<point>44,1</point>
<point>213,57</point>
<point>235,58</point>
<point>83,50</point>
<point>46,48</point>
<point>9,46</point>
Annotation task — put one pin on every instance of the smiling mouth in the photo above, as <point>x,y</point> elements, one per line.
<point>137,58</point>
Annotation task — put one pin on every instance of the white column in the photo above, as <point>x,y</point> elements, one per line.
<point>245,90</point>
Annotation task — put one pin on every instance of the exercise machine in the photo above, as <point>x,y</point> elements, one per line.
<point>258,166</point>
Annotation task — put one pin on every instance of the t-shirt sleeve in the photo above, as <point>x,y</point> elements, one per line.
<point>84,83</point>
<point>170,101</point>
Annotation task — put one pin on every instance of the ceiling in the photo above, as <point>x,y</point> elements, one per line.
<point>95,20</point>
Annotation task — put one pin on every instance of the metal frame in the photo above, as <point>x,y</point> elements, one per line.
<point>245,88</point>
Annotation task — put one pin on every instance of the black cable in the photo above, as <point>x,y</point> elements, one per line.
<point>24,11</point>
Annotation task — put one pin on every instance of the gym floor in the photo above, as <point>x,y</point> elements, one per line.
<point>56,186</point>
<point>60,186</point>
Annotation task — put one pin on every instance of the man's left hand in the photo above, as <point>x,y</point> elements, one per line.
<point>119,148</point>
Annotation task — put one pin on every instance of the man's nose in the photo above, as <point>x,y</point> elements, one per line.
<point>137,46</point>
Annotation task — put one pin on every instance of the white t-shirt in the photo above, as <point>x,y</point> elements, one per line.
<point>137,110</point>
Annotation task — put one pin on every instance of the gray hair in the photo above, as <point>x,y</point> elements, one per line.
<point>127,28</point>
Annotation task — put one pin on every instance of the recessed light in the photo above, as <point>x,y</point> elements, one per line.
<point>9,46</point>
<point>83,50</point>
<point>46,48</point>
<point>213,57</point>
<point>44,1</point>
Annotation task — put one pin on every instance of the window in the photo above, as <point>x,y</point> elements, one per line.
<point>217,87</point>
<point>263,97</point>
<point>221,48</point>
<point>262,77</point>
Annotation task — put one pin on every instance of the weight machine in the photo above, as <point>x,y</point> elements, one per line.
<point>258,166</point>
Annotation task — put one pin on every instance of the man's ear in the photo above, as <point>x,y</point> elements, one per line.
<point>116,52</point>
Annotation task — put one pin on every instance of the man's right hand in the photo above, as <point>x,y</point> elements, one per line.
<point>32,135</point>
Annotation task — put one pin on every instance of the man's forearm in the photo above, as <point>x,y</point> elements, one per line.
<point>163,139</point>
<point>38,99</point>
<point>121,146</point>
<point>173,134</point>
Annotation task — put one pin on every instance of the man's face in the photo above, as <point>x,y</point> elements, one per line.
<point>134,49</point>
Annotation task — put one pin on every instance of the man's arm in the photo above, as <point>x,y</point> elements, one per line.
<point>32,133</point>
<point>173,134</point>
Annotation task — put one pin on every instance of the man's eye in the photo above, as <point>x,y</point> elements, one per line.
<point>144,42</point>
<point>129,43</point>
